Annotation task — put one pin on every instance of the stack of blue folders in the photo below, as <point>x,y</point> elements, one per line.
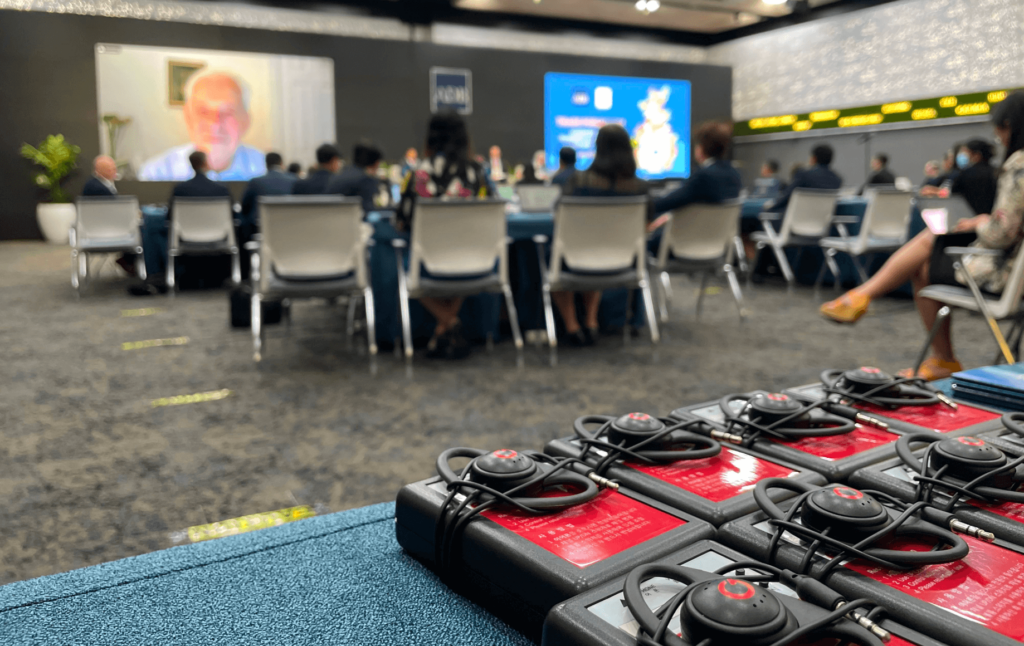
<point>995,386</point>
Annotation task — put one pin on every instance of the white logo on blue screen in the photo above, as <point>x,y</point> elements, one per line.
<point>603,98</point>
<point>580,96</point>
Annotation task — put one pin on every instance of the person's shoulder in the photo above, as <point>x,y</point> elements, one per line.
<point>1015,161</point>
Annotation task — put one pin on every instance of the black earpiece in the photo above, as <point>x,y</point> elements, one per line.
<point>643,438</point>
<point>966,466</point>
<point>781,416</point>
<point>872,386</point>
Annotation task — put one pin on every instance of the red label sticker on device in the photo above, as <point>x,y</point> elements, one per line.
<point>987,586</point>
<point>937,417</point>
<point>718,478</point>
<point>835,447</point>
<point>1011,510</point>
<point>591,532</point>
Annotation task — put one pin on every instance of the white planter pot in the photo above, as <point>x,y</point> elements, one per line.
<point>55,220</point>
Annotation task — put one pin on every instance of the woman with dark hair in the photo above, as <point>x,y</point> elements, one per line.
<point>923,262</point>
<point>977,179</point>
<point>612,173</point>
<point>446,171</point>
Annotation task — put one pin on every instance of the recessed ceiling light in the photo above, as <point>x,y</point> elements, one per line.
<point>647,6</point>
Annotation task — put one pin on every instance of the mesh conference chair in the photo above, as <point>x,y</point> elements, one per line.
<point>598,243</point>
<point>1006,306</point>
<point>311,246</point>
<point>458,248</point>
<point>104,225</point>
<point>808,219</point>
<point>202,226</point>
<point>536,198</point>
<point>883,228</point>
<point>699,238</point>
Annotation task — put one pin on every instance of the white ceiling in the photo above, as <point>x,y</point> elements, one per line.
<point>703,16</point>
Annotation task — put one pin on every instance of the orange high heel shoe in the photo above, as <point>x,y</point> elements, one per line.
<point>847,308</point>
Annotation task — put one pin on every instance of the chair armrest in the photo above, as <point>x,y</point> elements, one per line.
<point>845,219</point>
<point>252,245</point>
<point>972,251</point>
<point>766,216</point>
<point>540,238</point>
<point>399,243</point>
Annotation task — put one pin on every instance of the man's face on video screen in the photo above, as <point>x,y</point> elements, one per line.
<point>216,118</point>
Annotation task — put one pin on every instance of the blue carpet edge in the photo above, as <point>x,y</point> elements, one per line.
<point>185,557</point>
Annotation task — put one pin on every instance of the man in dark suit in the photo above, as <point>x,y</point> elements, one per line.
<point>880,174</point>
<point>359,179</point>
<point>200,185</point>
<point>566,166</point>
<point>816,175</point>
<point>275,182</point>
<point>328,162</point>
<point>101,184</point>
<point>713,181</point>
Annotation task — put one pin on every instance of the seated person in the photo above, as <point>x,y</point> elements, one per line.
<point>447,171</point>
<point>566,166</point>
<point>101,184</point>
<point>880,174</point>
<point>768,185</point>
<point>612,173</point>
<point>359,179</point>
<point>200,185</point>
<point>931,170</point>
<point>977,179</point>
<point>948,174</point>
<point>328,161</point>
<point>916,262</point>
<point>275,182</point>
<point>818,175</point>
<point>295,169</point>
<point>529,177</point>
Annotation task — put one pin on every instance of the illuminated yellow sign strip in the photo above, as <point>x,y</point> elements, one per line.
<point>800,126</point>
<point>178,400</point>
<point>772,122</point>
<point>972,108</point>
<point>924,113</point>
<point>145,311</point>
<point>895,108</point>
<point>249,523</point>
<point>947,102</point>
<point>153,343</point>
<point>996,97</point>
<point>825,115</point>
<point>860,120</point>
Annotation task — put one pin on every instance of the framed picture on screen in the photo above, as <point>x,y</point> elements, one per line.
<point>178,73</point>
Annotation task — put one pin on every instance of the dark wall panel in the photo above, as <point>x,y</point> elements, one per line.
<point>381,91</point>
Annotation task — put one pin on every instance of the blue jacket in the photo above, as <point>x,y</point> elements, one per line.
<point>314,184</point>
<point>95,188</point>
<point>355,182</point>
<point>820,177</point>
<point>275,182</point>
<point>709,184</point>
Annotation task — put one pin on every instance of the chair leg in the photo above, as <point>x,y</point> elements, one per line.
<point>860,269</point>
<point>741,254</point>
<point>666,295</point>
<point>652,320</point>
<point>549,319</point>
<point>703,288</point>
<point>758,249</point>
<point>821,276</point>
<point>734,285</point>
<point>83,266</point>
<point>140,264</point>
<point>236,267</point>
<point>787,271</point>
<point>513,317</point>
<point>257,326</point>
<point>74,270</point>
<point>350,321</point>
<point>170,273</point>
<point>833,266</point>
<point>403,303</point>
<point>371,320</point>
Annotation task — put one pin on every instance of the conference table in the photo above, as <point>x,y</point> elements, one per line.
<point>482,314</point>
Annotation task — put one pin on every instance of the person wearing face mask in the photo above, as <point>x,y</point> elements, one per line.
<point>977,179</point>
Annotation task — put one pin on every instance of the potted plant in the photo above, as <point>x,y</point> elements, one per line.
<point>57,158</point>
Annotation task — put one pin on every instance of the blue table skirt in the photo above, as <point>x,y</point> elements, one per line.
<point>480,314</point>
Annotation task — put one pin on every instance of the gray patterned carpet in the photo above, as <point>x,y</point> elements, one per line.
<point>90,471</point>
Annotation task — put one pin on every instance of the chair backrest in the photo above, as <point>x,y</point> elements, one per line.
<point>108,218</point>
<point>537,198</point>
<point>458,237</point>
<point>311,236</point>
<point>808,214</point>
<point>887,215</point>
<point>203,219</point>
<point>701,232</point>
<point>599,234</point>
<point>1013,292</point>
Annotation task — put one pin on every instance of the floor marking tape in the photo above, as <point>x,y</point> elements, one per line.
<point>145,311</point>
<point>177,400</point>
<point>153,343</point>
<point>249,523</point>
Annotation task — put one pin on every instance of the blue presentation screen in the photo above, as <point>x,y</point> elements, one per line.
<point>655,112</point>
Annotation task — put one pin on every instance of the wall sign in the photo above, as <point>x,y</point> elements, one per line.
<point>451,89</point>
<point>947,107</point>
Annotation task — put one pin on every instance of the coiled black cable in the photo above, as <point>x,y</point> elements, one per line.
<point>849,522</point>
<point>779,630</point>
<point>642,438</point>
<point>872,386</point>
<point>792,418</point>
